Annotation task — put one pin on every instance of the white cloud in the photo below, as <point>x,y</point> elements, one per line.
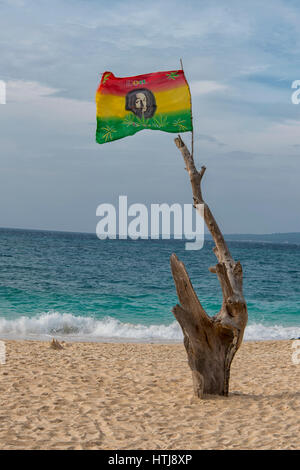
<point>202,87</point>
<point>35,103</point>
<point>254,69</point>
<point>19,91</point>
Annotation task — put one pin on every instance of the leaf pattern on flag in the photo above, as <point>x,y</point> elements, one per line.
<point>172,75</point>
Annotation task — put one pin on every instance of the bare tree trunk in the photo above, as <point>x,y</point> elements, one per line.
<point>210,342</point>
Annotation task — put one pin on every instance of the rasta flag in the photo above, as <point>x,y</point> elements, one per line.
<point>158,101</point>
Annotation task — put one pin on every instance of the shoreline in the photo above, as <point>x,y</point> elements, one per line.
<point>124,341</point>
<point>139,396</point>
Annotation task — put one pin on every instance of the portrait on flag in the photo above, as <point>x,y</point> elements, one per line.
<point>141,102</point>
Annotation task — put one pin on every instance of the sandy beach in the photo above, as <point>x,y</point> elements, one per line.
<point>139,396</point>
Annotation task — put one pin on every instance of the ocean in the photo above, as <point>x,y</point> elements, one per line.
<point>74,286</point>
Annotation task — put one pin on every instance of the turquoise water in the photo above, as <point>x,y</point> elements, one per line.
<point>78,287</point>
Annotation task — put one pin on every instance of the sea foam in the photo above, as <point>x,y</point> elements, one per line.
<point>68,326</point>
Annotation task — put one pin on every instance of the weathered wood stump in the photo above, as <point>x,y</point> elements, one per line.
<point>210,342</point>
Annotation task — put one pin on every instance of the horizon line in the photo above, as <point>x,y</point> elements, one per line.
<point>149,238</point>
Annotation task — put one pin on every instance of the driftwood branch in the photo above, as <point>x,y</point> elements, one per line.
<point>210,342</point>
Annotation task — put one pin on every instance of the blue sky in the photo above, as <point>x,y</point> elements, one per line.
<point>240,59</point>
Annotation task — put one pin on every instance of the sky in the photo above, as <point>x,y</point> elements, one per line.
<point>240,59</point>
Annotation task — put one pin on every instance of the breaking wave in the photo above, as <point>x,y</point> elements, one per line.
<point>68,326</point>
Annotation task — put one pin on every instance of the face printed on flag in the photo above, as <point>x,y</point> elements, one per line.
<point>157,101</point>
<point>141,102</point>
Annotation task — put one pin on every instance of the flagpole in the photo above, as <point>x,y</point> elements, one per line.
<point>191,110</point>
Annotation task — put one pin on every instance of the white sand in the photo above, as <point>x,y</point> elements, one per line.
<point>138,396</point>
